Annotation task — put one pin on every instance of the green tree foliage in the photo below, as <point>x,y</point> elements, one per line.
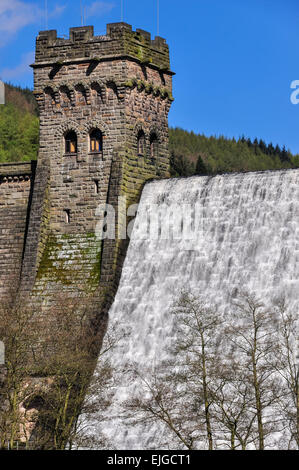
<point>19,126</point>
<point>22,98</point>
<point>181,165</point>
<point>200,168</point>
<point>221,155</point>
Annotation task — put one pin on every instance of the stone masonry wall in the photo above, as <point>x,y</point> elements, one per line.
<point>120,84</point>
<point>15,189</point>
<point>147,112</point>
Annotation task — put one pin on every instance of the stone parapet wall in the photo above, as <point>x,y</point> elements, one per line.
<point>13,172</point>
<point>16,181</point>
<point>120,41</point>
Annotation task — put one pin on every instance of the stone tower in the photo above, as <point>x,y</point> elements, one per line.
<point>104,103</point>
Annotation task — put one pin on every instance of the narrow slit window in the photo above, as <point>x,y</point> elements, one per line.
<point>141,143</point>
<point>67,215</point>
<point>96,141</point>
<point>71,142</point>
<point>96,186</point>
<point>154,147</point>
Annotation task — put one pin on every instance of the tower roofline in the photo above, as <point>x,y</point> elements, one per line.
<point>120,41</point>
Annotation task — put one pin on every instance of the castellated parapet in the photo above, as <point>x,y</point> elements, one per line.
<point>104,104</point>
<point>120,42</point>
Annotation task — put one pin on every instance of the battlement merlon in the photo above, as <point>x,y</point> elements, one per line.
<point>119,42</point>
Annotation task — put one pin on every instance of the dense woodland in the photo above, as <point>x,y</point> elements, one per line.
<point>19,126</point>
<point>190,153</point>
<point>197,154</point>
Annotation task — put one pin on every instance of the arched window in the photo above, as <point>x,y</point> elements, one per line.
<point>141,143</point>
<point>154,146</point>
<point>71,142</point>
<point>96,141</point>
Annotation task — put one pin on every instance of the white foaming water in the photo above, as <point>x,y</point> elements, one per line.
<point>244,235</point>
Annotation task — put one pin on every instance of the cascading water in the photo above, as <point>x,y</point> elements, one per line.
<point>228,232</point>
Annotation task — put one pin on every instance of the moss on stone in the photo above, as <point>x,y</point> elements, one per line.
<point>129,84</point>
<point>141,85</point>
<point>66,258</point>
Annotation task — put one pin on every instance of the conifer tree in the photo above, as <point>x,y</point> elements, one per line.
<point>200,167</point>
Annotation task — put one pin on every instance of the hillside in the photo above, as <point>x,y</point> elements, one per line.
<point>190,153</point>
<point>197,154</point>
<point>19,126</point>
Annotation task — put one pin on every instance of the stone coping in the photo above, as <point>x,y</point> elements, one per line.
<point>17,168</point>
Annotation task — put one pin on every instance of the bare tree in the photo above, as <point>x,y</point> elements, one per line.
<point>222,389</point>
<point>287,368</point>
<point>161,400</point>
<point>229,383</point>
<point>180,394</point>
<point>253,334</point>
<point>19,330</point>
<point>49,367</point>
<point>96,397</point>
<point>234,411</point>
<point>198,336</point>
<point>69,352</point>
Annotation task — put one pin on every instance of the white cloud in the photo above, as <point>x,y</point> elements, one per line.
<point>20,70</point>
<point>98,9</point>
<point>16,14</point>
<point>58,10</point>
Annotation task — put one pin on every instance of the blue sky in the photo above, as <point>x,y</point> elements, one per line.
<point>234,59</point>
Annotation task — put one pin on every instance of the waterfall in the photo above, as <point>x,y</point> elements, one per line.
<point>237,231</point>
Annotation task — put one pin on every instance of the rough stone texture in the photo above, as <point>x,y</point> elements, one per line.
<point>120,41</point>
<point>15,190</point>
<point>121,84</point>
